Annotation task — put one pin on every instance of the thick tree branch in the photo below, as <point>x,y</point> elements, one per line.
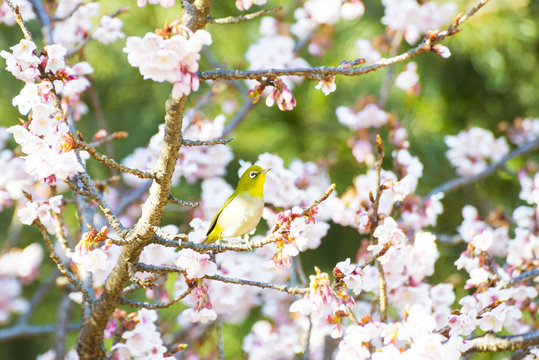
<point>457,183</point>
<point>90,344</point>
<point>495,343</point>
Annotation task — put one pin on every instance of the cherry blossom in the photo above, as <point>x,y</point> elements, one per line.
<point>22,263</point>
<point>365,50</point>
<point>370,116</point>
<point>77,23</point>
<point>10,299</point>
<point>174,60</point>
<point>470,151</point>
<point>109,30</point>
<point>144,342</point>
<point>246,4</point>
<point>163,3</point>
<point>415,18</point>
<point>22,62</point>
<point>25,8</point>
<point>196,265</point>
<point>408,80</point>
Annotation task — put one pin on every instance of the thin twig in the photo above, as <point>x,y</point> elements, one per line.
<point>318,73</point>
<point>374,224</point>
<point>457,183</point>
<point>59,264</point>
<point>239,116</point>
<point>449,239</point>
<point>174,269</point>
<point>147,305</point>
<point>109,138</point>
<point>220,344</point>
<point>105,160</point>
<point>206,142</point>
<point>44,19</point>
<point>525,276</point>
<point>180,241</point>
<point>133,196</point>
<point>38,296</point>
<point>19,20</point>
<point>241,18</point>
<point>62,322</point>
<point>183,203</point>
<point>21,331</point>
<point>103,206</point>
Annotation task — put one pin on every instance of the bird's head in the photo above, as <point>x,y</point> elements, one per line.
<point>252,181</point>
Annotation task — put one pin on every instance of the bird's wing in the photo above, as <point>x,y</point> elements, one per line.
<point>214,221</point>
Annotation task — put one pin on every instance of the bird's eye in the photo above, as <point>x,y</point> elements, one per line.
<point>252,174</point>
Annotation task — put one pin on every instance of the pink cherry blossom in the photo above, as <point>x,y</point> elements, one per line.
<point>471,151</point>
<point>25,8</point>
<point>196,265</point>
<point>109,30</point>
<point>174,60</point>
<point>327,86</point>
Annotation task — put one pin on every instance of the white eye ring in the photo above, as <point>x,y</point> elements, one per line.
<point>252,174</point>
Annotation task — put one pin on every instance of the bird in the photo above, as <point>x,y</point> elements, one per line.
<point>243,209</point>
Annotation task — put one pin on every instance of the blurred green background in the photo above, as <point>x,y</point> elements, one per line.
<point>490,78</point>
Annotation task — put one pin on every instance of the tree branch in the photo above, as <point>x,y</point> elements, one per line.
<point>105,160</point>
<point>20,331</point>
<point>206,142</point>
<point>148,305</point>
<point>318,73</point>
<point>19,20</point>
<point>183,203</point>
<point>457,183</point>
<point>241,18</point>
<point>174,269</point>
<point>495,343</point>
<point>525,276</point>
<point>90,343</point>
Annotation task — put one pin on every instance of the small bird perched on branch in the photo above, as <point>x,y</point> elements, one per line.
<point>242,211</point>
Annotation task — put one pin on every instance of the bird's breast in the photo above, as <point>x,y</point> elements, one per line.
<point>241,215</point>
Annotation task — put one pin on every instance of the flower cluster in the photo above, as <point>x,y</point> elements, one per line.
<point>196,265</point>
<point>246,4</point>
<point>163,3</point>
<point>45,137</point>
<point>315,13</point>
<point>144,342</point>
<point>25,8</point>
<point>202,311</point>
<point>415,18</point>
<point>174,59</point>
<point>471,150</point>
<point>76,24</point>
<point>370,116</point>
<point>109,30</point>
<point>408,80</point>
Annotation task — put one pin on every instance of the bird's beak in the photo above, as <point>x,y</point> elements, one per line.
<point>265,171</point>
